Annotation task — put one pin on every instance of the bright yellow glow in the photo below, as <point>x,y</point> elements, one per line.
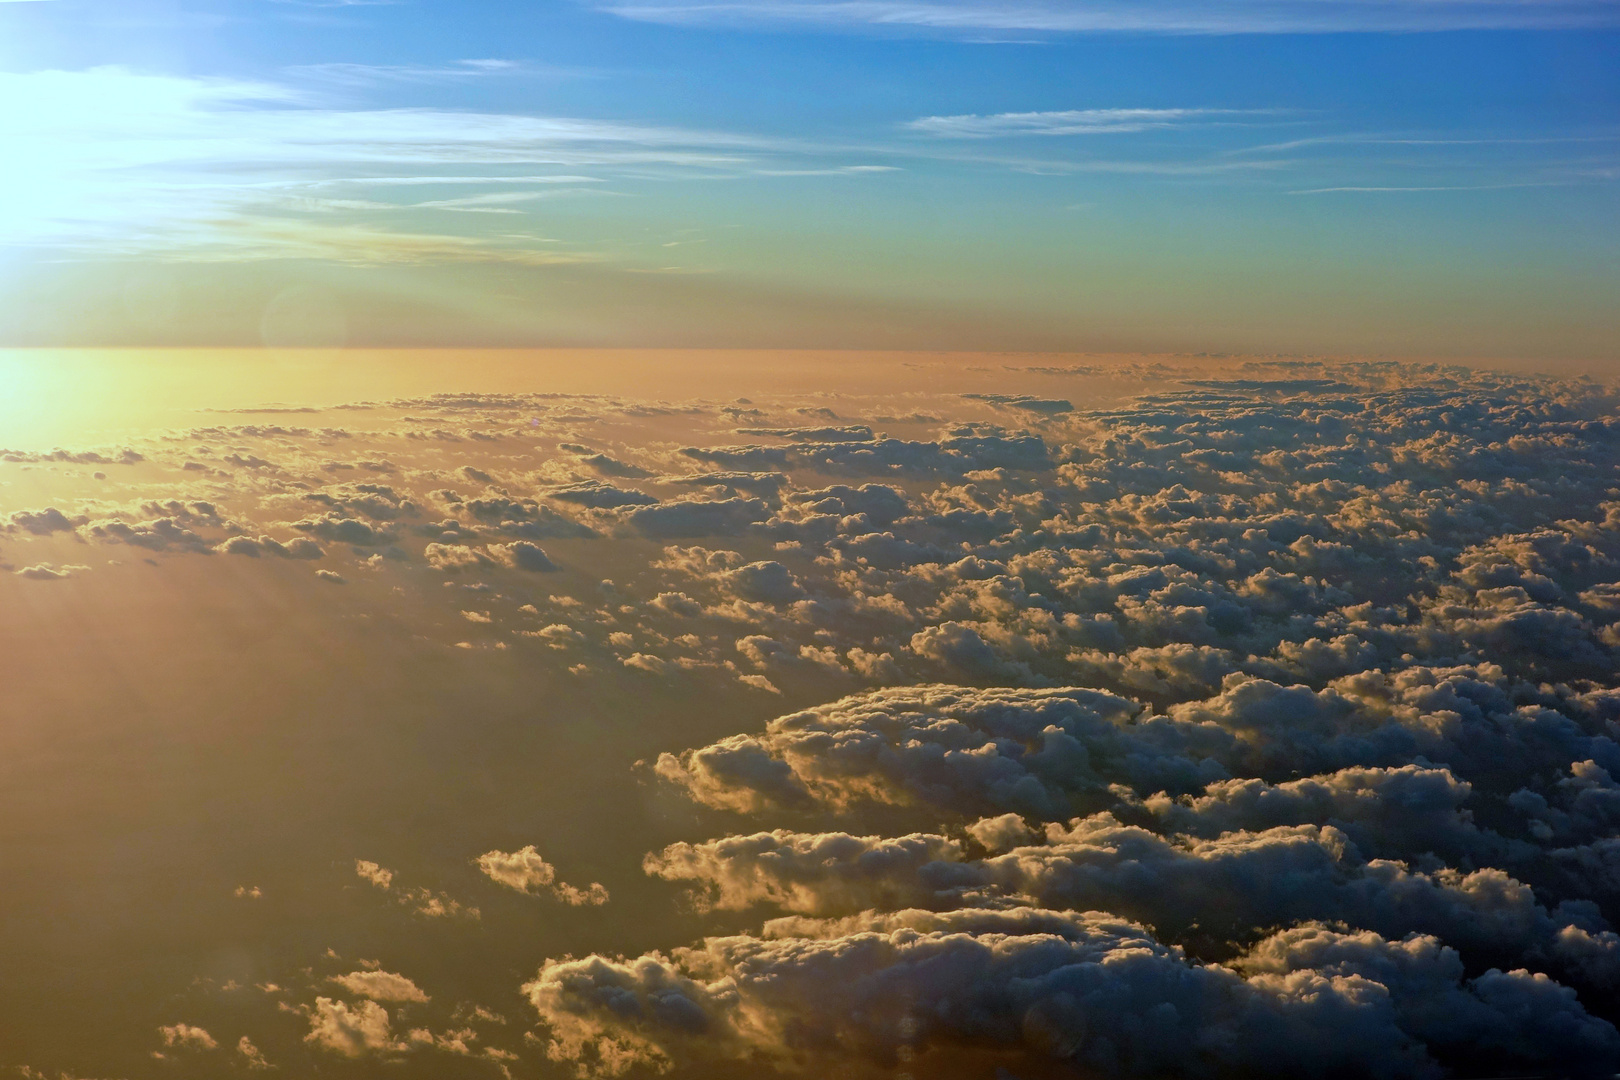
<point>61,397</point>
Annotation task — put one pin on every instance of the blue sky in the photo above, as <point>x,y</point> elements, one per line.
<point>1413,176</point>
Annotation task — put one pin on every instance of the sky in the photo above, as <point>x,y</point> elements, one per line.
<point>876,539</point>
<point>1411,177</point>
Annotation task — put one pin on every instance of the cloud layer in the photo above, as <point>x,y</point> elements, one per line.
<point>1266,723</point>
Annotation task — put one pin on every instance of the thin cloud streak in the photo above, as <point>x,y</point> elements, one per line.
<point>250,239</point>
<point>352,74</point>
<point>1376,190</point>
<point>1065,122</point>
<point>1386,140</point>
<point>843,170</point>
<point>972,18</point>
<point>405,181</point>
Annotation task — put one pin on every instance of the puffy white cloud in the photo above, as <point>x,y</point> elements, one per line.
<point>1001,833</point>
<point>453,557</point>
<point>768,582</point>
<point>299,547</point>
<point>677,603</point>
<point>809,873</point>
<point>187,1037</point>
<point>960,750</point>
<point>525,871</point>
<point>522,555</point>
<point>380,986</point>
<point>881,505</point>
<point>345,530</point>
<point>1088,989</point>
<point>164,534</point>
<point>43,522</point>
<point>1406,811</point>
<point>1516,1015</point>
<point>369,871</point>
<point>1169,671</point>
<point>600,496</point>
<point>1219,888</point>
<point>721,517</point>
<point>351,1031</point>
<point>421,900</point>
<point>963,650</point>
<point>251,1054</point>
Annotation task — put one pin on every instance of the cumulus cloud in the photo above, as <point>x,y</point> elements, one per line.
<point>1410,810</point>
<point>252,1056</point>
<point>960,648</point>
<point>1264,725</point>
<point>1223,887</point>
<point>299,547</point>
<point>339,528</point>
<point>1336,732</point>
<point>376,875</point>
<point>522,555</point>
<point>525,871</point>
<point>768,582</point>
<point>720,517</point>
<point>605,464</point>
<point>453,557</point>
<point>812,874</point>
<point>600,496</point>
<point>956,749</point>
<point>419,899</point>
<point>187,1037</point>
<point>163,534</point>
<point>380,986</point>
<point>43,522</point>
<point>351,1031</point>
<point>1087,988</point>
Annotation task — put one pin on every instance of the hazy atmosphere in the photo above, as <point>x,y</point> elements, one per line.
<point>958,539</point>
<point>1414,177</point>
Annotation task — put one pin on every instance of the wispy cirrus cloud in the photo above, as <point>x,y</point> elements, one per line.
<point>1369,139</point>
<point>111,160</point>
<point>1065,122</point>
<point>441,180</point>
<point>353,74</point>
<point>499,202</point>
<point>841,170</point>
<point>981,18</point>
<point>1396,190</point>
<point>336,3</point>
<point>250,237</point>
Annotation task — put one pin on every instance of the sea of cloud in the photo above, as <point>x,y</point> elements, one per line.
<point>1262,725</point>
